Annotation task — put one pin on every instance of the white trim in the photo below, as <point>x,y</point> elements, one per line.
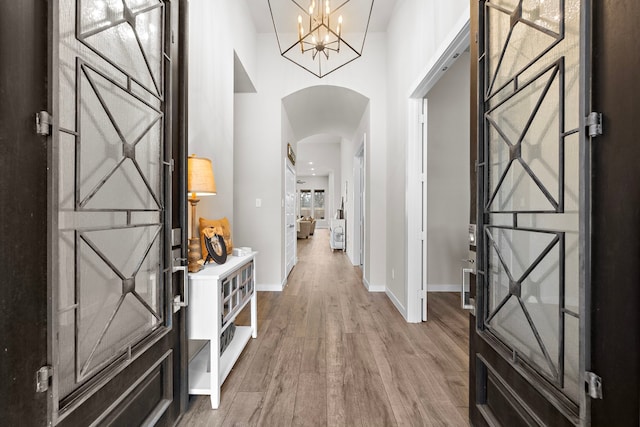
<point>444,288</point>
<point>414,209</point>
<point>455,43</point>
<point>359,219</point>
<point>271,287</point>
<point>288,167</point>
<point>373,288</point>
<point>399,306</point>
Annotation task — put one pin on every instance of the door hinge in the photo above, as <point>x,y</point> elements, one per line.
<point>421,118</point>
<point>594,385</point>
<point>594,122</point>
<point>171,165</point>
<point>421,177</point>
<point>42,378</point>
<point>422,235</point>
<point>422,294</point>
<point>43,123</point>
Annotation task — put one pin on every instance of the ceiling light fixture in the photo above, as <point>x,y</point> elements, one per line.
<point>314,38</point>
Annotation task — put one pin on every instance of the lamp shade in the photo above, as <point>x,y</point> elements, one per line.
<point>200,180</point>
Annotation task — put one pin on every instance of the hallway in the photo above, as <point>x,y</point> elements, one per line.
<point>330,353</point>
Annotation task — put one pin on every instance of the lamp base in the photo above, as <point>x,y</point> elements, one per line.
<point>195,255</point>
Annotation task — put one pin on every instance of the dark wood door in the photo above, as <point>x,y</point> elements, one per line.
<point>615,264</point>
<point>23,212</point>
<point>118,162</point>
<point>528,351</point>
<point>88,248</point>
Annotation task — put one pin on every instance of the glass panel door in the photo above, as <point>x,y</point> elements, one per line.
<point>111,285</point>
<point>531,212</point>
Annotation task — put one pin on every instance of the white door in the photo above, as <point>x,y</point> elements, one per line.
<point>290,219</point>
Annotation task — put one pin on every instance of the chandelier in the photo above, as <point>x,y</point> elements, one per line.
<point>321,36</point>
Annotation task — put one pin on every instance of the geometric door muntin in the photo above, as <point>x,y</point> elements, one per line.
<point>520,286</point>
<point>129,35</point>
<point>130,131</point>
<point>113,231</point>
<point>530,209</point>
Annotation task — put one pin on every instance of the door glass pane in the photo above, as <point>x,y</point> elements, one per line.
<point>531,201</point>
<point>109,283</point>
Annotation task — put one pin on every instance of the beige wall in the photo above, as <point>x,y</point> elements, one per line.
<point>448,189</point>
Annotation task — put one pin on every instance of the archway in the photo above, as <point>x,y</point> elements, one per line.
<point>315,120</point>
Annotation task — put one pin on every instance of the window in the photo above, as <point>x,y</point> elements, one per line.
<point>318,204</point>
<point>312,204</point>
<point>305,203</point>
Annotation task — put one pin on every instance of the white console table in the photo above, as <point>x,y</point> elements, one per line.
<point>216,295</point>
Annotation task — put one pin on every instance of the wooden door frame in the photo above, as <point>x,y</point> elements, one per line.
<point>23,220</point>
<point>615,266</point>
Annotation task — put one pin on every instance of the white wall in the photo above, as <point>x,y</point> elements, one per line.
<point>350,148</point>
<point>261,148</point>
<point>448,189</point>
<point>415,35</point>
<point>211,98</point>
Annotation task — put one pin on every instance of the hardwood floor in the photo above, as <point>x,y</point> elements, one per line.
<point>330,353</point>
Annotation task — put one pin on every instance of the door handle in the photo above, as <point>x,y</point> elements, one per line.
<point>464,295</point>
<point>177,302</point>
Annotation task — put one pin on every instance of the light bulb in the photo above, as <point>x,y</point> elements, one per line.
<point>313,39</point>
<point>326,38</point>
<point>299,19</point>
<point>340,19</point>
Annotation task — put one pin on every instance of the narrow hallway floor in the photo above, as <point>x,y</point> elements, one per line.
<point>330,353</point>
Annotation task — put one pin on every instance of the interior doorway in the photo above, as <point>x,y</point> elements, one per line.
<point>329,149</point>
<point>359,174</point>
<point>430,109</point>
<point>446,189</point>
<point>290,218</point>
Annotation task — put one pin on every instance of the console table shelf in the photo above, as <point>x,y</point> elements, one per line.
<point>216,295</point>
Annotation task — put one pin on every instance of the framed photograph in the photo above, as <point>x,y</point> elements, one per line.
<point>291,155</point>
<point>216,248</point>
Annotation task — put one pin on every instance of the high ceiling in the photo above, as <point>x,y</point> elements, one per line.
<point>322,113</point>
<point>382,10</point>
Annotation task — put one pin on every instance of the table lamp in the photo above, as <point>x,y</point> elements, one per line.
<point>200,182</point>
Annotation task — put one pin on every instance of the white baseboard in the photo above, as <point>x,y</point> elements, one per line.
<point>444,288</point>
<point>264,287</point>
<point>402,309</point>
<point>372,288</point>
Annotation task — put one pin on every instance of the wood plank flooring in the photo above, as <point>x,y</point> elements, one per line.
<point>329,353</point>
